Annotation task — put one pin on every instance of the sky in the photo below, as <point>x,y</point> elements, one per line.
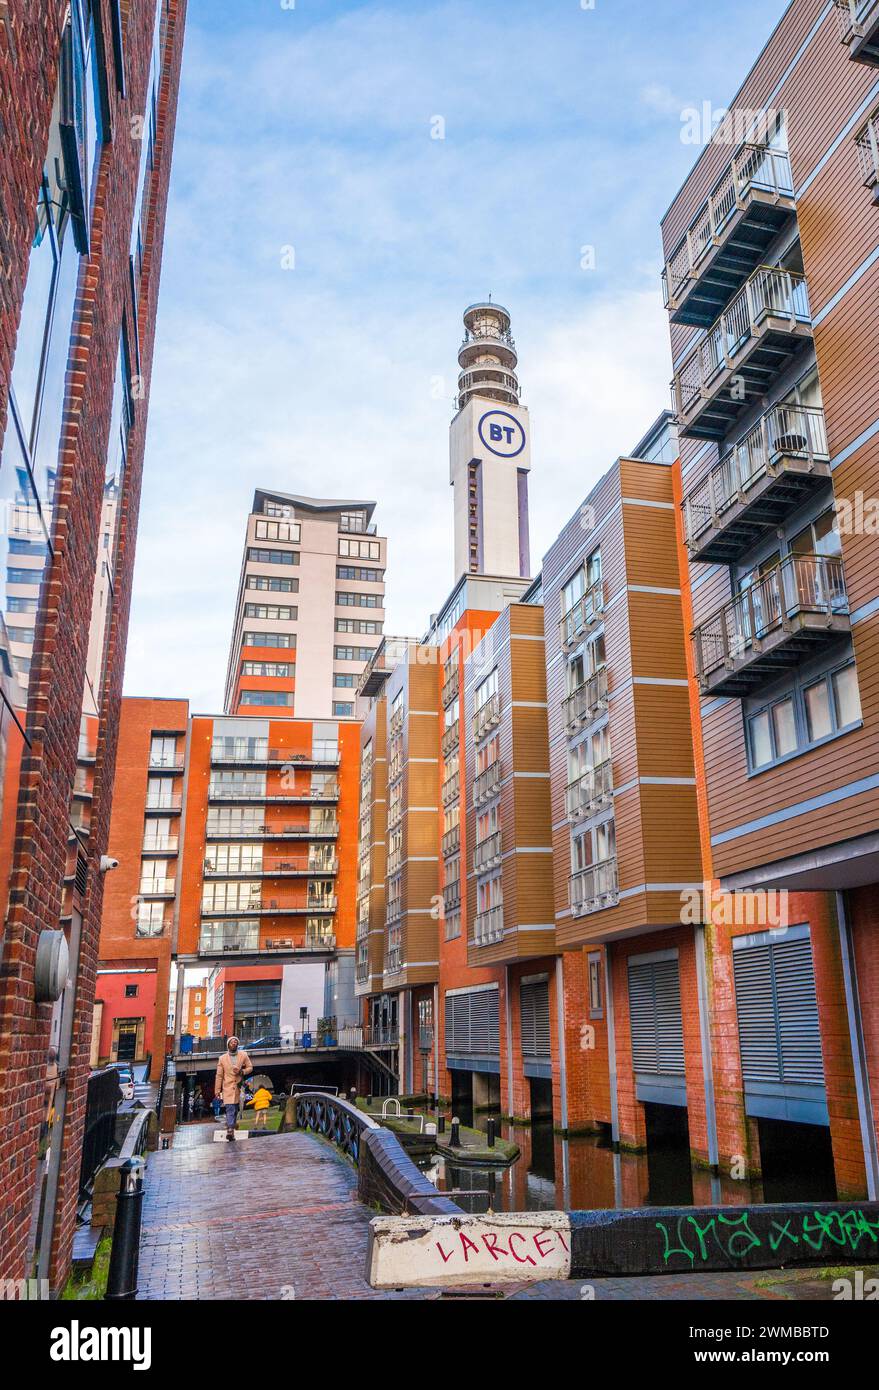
<point>348,176</point>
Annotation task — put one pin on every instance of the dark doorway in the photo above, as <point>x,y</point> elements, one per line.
<point>127,1050</point>
<point>462,1096</point>
<point>669,1176</point>
<point>542,1138</point>
<point>797,1162</point>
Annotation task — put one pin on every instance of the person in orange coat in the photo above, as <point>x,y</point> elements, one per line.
<point>261,1101</point>
<point>232,1068</point>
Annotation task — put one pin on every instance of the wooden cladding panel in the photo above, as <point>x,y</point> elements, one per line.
<point>664,732</point>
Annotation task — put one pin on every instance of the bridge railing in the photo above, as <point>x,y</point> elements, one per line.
<point>386,1175</point>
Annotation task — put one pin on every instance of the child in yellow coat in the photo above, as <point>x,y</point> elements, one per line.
<point>261,1101</point>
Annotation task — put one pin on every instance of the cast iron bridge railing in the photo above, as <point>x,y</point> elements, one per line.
<point>335,1119</point>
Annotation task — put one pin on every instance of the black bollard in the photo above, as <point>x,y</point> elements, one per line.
<point>489,1129</point>
<point>440,1124</point>
<point>352,1095</point>
<point>369,1102</point>
<point>455,1136</point>
<point>125,1251</point>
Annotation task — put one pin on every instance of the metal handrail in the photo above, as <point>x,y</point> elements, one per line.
<point>595,887</point>
<point>487,783</point>
<point>487,716</point>
<point>853,16</point>
<point>488,926</point>
<point>582,616</point>
<point>753,166</point>
<point>487,852</point>
<point>588,700</point>
<point>450,738</point>
<point>787,430</point>
<point>451,840</point>
<point>592,789</point>
<point>867,143</point>
<point>797,584</point>
<point>768,292</point>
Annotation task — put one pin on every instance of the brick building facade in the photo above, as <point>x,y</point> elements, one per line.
<point>77,310</point>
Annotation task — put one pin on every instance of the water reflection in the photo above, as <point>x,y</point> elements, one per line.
<point>583,1173</point>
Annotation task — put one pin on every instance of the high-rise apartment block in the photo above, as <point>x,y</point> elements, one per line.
<point>310,609</point>
<point>88,97</point>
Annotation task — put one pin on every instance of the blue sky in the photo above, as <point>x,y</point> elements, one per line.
<point>311,128</point>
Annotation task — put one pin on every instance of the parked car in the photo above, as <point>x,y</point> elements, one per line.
<point>126,1079</point>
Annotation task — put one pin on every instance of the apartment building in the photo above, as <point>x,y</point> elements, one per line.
<point>196,1021</point>
<point>72,447</point>
<point>310,607</point>
<point>134,965</point>
<point>771,281</point>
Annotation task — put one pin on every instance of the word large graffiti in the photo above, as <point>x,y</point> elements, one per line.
<point>696,1238</point>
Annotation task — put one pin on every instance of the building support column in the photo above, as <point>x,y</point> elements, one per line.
<point>436,1085</point>
<point>707,1057</point>
<point>178,1007</point>
<point>858,1047</point>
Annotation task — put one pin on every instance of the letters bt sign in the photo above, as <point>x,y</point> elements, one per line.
<point>502,434</point>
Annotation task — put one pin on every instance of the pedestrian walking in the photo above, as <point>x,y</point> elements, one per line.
<point>232,1068</point>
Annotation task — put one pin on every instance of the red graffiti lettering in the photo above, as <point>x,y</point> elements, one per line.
<point>467,1243</point>
<point>540,1250</point>
<point>446,1257</point>
<point>491,1244</point>
<point>517,1235</point>
<point>564,1244</point>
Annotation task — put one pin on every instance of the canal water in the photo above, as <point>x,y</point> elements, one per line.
<point>583,1173</point>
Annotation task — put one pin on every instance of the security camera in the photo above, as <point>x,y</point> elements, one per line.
<point>108,862</point>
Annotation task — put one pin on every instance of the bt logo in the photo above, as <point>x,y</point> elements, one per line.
<point>501,433</point>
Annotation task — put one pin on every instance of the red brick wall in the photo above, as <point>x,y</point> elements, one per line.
<point>29,45</point>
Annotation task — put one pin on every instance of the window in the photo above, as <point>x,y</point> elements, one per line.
<point>358,625</point>
<point>267,668</point>
<point>359,550</point>
<point>344,599</point>
<point>352,521</point>
<point>487,754</point>
<point>343,682</point>
<point>272,557</point>
<point>823,708</point>
<point>272,584</point>
<point>150,920</point>
<point>282,509</point>
<point>579,584</point>
<point>163,750</point>
<point>367,576</point>
<point>485,690</point>
<point>353,653</point>
<point>341,710</point>
<point>131,991</point>
<point>277,530</point>
<point>282,614</point>
<point>266,697</point>
<point>593,965</point>
<point>268,639</point>
<point>148,139</point>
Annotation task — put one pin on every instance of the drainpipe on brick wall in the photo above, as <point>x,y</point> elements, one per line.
<point>563,1061</point>
<point>508,1024</point>
<point>859,1051</point>
<point>436,1072</point>
<point>707,1058</point>
<point>611,1052</point>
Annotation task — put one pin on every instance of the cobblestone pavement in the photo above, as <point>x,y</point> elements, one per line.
<point>268,1218</point>
<point>278,1218</point>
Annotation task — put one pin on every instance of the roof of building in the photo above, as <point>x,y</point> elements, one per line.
<point>313,504</point>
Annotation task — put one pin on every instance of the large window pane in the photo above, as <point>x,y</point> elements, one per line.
<point>785,726</point>
<point>760,738</point>
<point>818,710</point>
<point>846,696</point>
<point>35,314</point>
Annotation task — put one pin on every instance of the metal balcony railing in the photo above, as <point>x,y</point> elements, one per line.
<point>582,616</point>
<point>771,300</point>
<point>487,853</point>
<point>223,937</point>
<point>164,801</point>
<point>451,687</point>
<point>396,722</point>
<point>487,716</point>
<point>393,965</point>
<point>159,761</point>
<point>594,888</point>
<point>361,972</point>
<point>160,844</point>
<point>774,622</point>
<point>158,887</point>
<point>450,739</point>
<point>859,28</point>
<point>452,840</point>
<point>393,910</point>
<point>586,702</point>
<point>756,174</point>
<point>867,142</point>
<point>383,1035</point>
<point>487,783</point>
<point>451,788</point>
<point>591,791</point>
<point>737,499</point>
<point>451,898</point>
<point>488,927</point>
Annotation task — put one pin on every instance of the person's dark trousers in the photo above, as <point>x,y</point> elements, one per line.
<point>231,1117</point>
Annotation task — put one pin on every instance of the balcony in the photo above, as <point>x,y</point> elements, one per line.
<point>772,625</point>
<point>160,844</point>
<point>451,898</point>
<point>742,352</point>
<point>393,966</point>
<point>859,29</point>
<point>586,702</point>
<point>393,910</point>
<point>452,840</point>
<point>867,143</point>
<point>450,739</point>
<point>591,792</point>
<point>255,753</point>
<point>450,688</point>
<point>271,867</point>
<point>770,472</point>
<point>166,762</point>
<point>590,890</point>
<point>395,767</point>
<point>271,907</point>
<point>361,972</point>
<point>487,716</point>
<point>219,791</point>
<point>386,1034</point>
<point>487,784</point>
<point>488,927</point>
<point>242,938</point>
<point>255,830</point>
<point>157,887</point>
<point>169,802</point>
<point>730,235</point>
<point>487,853</point>
<point>395,858</point>
<point>395,724</point>
<point>388,654</point>
<point>451,788</point>
<point>583,616</point>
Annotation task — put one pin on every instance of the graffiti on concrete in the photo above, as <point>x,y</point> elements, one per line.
<point>697,1238</point>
